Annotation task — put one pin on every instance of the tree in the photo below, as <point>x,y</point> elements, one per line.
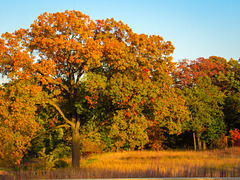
<point>18,123</point>
<point>234,66</point>
<point>205,102</point>
<point>232,91</point>
<point>232,110</point>
<point>60,49</point>
<point>188,72</point>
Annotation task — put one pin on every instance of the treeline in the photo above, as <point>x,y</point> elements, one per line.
<point>210,88</point>
<point>80,86</point>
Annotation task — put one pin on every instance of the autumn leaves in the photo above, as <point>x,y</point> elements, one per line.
<point>94,73</point>
<point>95,70</point>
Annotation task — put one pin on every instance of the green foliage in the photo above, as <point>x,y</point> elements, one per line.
<point>205,102</point>
<point>129,128</point>
<point>126,105</point>
<point>142,102</point>
<point>50,161</point>
<point>232,110</point>
<point>60,164</point>
<point>46,161</point>
<point>57,139</point>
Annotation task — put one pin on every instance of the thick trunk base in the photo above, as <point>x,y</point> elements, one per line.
<point>75,149</point>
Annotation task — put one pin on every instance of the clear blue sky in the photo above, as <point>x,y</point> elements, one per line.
<point>197,28</point>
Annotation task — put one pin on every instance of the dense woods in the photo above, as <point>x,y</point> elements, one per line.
<point>78,86</point>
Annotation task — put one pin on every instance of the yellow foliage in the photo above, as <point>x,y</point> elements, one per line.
<point>17,120</point>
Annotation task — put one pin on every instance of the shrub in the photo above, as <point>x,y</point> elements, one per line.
<point>93,147</point>
<point>61,164</point>
<point>220,143</point>
<point>156,137</point>
<point>46,161</point>
<point>235,135</point>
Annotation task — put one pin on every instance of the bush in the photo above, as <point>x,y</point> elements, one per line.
<point>235,135</point>
<point>93,147</point>
<point>220,143</point>
<point>60,164</point>
<point>46,161</point>
<point>156,137</point>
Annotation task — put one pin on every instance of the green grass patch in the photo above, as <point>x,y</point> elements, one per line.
<point>89,161</point>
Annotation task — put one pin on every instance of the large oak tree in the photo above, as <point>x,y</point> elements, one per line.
<point>60,50</point>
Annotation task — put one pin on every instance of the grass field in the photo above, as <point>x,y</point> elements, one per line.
<point>149,164</point>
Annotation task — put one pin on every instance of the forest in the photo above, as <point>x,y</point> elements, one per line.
<point>77,87</point>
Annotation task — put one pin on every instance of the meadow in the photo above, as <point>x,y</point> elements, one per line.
<point>146,164</point>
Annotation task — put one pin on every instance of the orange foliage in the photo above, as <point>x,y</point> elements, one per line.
<point>188,72</point>
<point>17,121</point>
<point>235,137</point>
<point>69,46</point>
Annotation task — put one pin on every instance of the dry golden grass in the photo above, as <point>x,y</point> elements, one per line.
<point>149,164</point>
<point>168,163</point>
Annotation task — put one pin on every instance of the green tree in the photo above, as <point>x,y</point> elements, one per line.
<point>232,110</point>
<point>127,105</point>
<point>231,82</point>
<point>205,102</point>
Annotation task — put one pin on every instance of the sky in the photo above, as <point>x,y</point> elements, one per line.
<point>197,28</point>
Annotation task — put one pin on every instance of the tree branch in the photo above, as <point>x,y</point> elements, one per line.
<point>96,129</point>
<point>61,113</point>
<point>56,127</point>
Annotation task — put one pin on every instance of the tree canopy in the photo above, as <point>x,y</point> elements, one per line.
<point>121,77</point>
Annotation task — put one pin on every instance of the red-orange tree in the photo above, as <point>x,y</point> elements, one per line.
<point>60,49</point>
<point>188,72</point>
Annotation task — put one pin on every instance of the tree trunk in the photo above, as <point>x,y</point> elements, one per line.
<point>75,148</point>
<point>194,141</point>
<point>204,145</point>
<point>199,143</point>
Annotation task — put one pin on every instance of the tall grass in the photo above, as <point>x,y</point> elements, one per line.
<point>148,164</point>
